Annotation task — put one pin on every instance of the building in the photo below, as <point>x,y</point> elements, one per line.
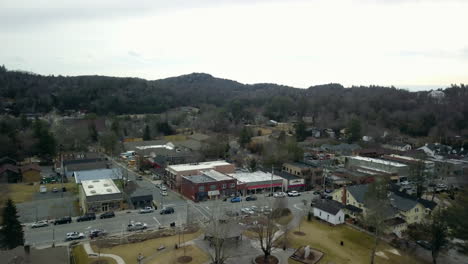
<point>31,173</point>
<point>377,167</point>
<point>10,173</point>
<point>257,182</point>
<point>399,146</point>
<point>138,196</point>
<point>209,184</point>
<point>427,165</point>
<point>89,175</point>
<point>291,182</point>
<point>330,211</point>
<point>80,161</point>
<point>174,173</point>
<point>311,175</point>
<point>100,196</point>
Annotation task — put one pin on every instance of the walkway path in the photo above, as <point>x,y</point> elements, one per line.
<point>90,252</point>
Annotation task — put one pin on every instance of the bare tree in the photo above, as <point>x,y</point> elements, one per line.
<point>377,209</point>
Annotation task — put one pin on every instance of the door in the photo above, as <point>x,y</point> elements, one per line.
<point>105,207</point>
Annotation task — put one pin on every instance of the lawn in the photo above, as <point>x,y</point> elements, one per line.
<point>129,252</point>
<point>356,249</point>
<point>80,257</point>
<point>170,256</point>
<point>20,193</point>
<point>178,137</point>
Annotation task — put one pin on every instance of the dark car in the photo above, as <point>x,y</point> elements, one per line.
<point>86,217</point>
<point>109,214</point>
<point>251,198</point>
<point>63,220</point>
<point>97,233</point>
<point>424,244</point>
<point>236,200</point>
<point>167,210</point>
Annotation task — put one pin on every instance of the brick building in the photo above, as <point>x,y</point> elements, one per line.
<point>209,184</point>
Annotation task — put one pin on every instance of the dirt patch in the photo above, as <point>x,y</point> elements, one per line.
<point>100,261</point>
<point>269,260</point>
<point>299,233</point>
<point>184,259</point>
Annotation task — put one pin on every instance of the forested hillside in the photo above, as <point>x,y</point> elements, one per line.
<point>330,105</point>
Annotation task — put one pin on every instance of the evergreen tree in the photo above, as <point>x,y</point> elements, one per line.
<point>11,233</point>
<point>354,130</point>
<point>301,133</point>
<point>147,133</point>
<point>245,136</point>
<point>93,134</point>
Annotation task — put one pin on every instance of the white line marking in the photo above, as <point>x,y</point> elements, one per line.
<point>295,206</point>
<point>159,223</point>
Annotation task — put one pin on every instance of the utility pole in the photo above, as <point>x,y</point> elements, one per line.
<point>271,181</point>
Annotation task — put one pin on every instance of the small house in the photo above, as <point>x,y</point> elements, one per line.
<point>330,211</point>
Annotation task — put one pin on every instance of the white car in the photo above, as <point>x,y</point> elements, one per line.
<point>146,210</point>
<point>163,188</point>
<point>294,193</point>
<point>74,236</point>
<point>247,211</point>
<point>164,193</point>
<point>134,226</point>
<point>41,223</point>
<point>279,195</point>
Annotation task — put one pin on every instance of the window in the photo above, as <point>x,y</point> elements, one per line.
<point>232,185</point>
<point>320,213</point>
<point>224,186</point>
<point>201,188</point>
<point>416,209</point>
<point>213,187</point>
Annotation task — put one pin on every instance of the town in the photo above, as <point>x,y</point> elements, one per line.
<point>262,195</point>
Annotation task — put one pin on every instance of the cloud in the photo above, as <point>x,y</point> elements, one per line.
<point>133,53</point>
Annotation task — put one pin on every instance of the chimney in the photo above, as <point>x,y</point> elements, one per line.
<point>343,197</point>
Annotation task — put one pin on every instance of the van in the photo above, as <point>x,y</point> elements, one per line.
<point>43,189</point>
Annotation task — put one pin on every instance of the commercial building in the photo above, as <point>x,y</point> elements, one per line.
<point>89,175</point>
<point>377,167</point>
<point>257,182</point>
<point>209,184</point>
<point>100,196</point>
<point>311,175</point>
<point>174,173</point>
<point>291,182</point>
<point>427,165</point>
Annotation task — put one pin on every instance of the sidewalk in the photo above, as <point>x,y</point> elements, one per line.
<point>90,252</point>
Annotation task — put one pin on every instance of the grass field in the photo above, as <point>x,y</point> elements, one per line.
<point>178,137</point>
<point>20,193</point>
<point>170,256</point>
<point>80,257</point>
<point>129,252</point>
<point>357,245</point>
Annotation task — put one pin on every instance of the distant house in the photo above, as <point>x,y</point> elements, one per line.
<point>7,160</point>
<point>10,174</point>
<point>436,150</point>
<point>399,146</point>
<point>31,173</point>
<point>330,211</point>
<point>342,149</point>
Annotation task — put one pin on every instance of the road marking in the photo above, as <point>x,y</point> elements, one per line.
<point>295,206</point>
<point>155,219</point>
<point>196,207</point>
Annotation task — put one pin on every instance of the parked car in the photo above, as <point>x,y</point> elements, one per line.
<point>97,233</point>
<point>232,213</point>
<point>109,214</point>
<point>279,195</point>
<point>425,244</point>
<point>164,193</point>
<point>86,217</point>
<point>163,188</point>
<point>247,211</point>
<point>41,223</point>
<point>74,236</point>
<point>316,193</point>
<point>251,198</point>
<point>236,199</point>
<point>54,190</point>
<point>63,220</point>
<point>140,178</point>
<point>134,226</point>
<point>167,210</point>
<point>294,193</point>
<point>146,210</point>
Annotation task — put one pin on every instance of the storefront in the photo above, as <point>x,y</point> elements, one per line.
<point>257,182</point>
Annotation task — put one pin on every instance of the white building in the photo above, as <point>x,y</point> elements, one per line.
<point>330,211</point>
<point>257,182</point>
<point>100,196</point>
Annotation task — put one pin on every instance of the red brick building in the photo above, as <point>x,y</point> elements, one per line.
<point>207,185</point>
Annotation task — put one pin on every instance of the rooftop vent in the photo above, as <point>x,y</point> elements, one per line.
<point>93,191</point>
<point>95,180</point>
<point>90,186</point>
<point>106,185</point>
<point>109,190</point>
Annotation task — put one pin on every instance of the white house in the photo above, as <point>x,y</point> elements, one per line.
<point>330,211</point>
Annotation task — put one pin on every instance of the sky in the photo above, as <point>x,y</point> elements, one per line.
<point>410,44</point>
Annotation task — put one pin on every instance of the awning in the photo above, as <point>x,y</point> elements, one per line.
<point>296,185</point>
<point>263,186</point>
<point>212,193</point>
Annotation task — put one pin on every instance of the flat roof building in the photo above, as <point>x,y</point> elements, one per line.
<point>258,181</point>
<point>208,185</point>
<point>100,196</point>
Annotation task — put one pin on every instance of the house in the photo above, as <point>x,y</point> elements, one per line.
<point>330,211</point>
<point>100,196</point>
<point>174,173</point>
<point>31,173</point>
<point>329,132</point>
<point>138,196</point>
<point>209,184</point>
<point>7,160</point>
<point>10,173</point>
<point>399,146</point>
<point>342,148</point>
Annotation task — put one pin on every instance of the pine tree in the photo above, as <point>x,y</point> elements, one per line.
<point>11,233</point>
<point>146,133</point>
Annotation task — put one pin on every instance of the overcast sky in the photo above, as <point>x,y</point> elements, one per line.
<point>405,43</point>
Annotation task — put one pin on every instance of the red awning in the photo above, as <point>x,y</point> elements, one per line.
<point>297,185</point>
<point>263,186</point>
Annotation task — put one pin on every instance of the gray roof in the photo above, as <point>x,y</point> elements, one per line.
<point>402,203</point>
<point>135,144</point>
<point>87,175</point>
<point>329,206</point>
<point>190,144</point>
<point>199,178</point>
<point>199,137</point>
<point>358,192</point>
